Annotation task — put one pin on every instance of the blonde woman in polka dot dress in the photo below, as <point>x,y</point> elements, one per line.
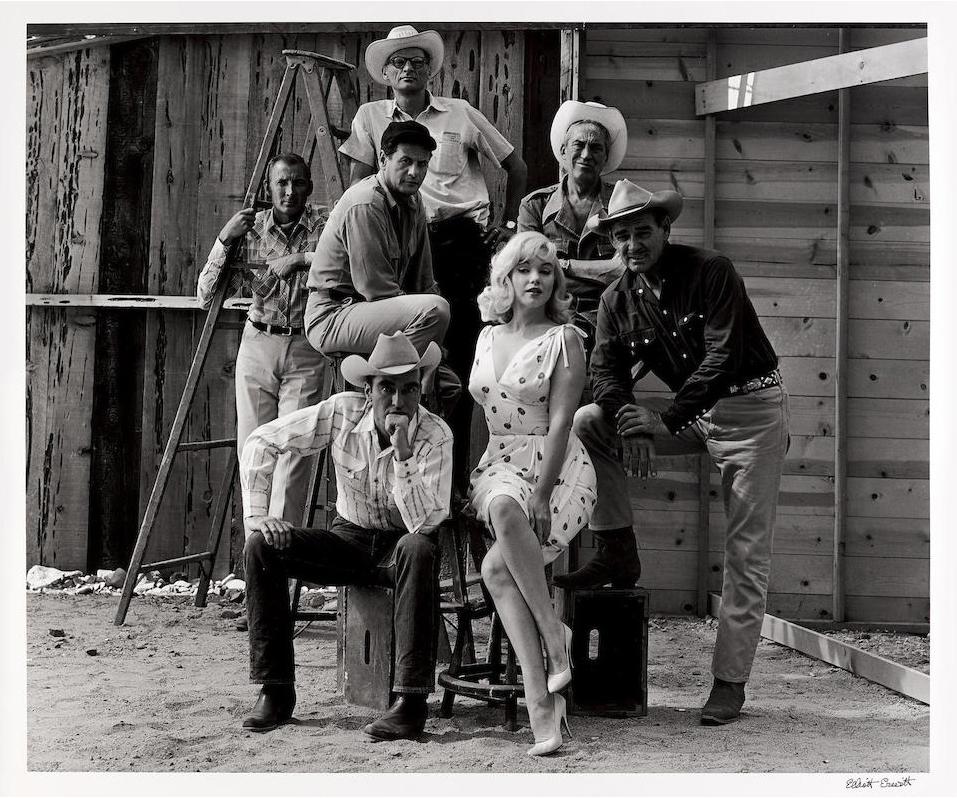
<point>534,487</point>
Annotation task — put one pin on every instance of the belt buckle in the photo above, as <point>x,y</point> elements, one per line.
<point>285,331</point>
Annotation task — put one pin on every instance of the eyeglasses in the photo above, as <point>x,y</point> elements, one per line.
<point>399,62</point>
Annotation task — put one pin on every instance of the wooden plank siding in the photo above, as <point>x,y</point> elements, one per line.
<point>215,97</point>
<point>67,97</point>
<point>776,217</point>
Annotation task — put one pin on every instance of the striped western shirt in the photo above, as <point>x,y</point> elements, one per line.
<point>280,301</point>
<point>374,490</point>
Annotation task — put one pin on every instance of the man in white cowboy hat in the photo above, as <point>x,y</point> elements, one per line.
<point>588,140</point>
<point>454,193</point>
<point>393,483</point>
<point>683,313</point>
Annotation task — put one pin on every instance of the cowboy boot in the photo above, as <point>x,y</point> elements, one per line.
<point>616,561</point>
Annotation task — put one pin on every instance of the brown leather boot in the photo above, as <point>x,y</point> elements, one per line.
<point>616,561</point>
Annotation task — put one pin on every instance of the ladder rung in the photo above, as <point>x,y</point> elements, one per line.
<point>206,555</point>
<point>192,446</point>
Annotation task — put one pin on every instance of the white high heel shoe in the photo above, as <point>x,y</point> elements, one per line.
<point>559,681</point>
<point>553,743</point>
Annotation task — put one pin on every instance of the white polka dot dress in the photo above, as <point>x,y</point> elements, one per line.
<point>516,411</point>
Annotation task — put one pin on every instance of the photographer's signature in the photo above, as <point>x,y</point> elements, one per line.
<point>883,783</point>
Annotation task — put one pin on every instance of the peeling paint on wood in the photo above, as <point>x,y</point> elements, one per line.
<point>66,112</point>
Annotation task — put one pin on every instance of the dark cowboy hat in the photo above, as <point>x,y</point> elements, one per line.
<point>628,199</point>
<point>393,355</point>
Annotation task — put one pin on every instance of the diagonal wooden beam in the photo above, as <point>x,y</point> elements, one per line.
<point>874,64</point>
<point>899,678</point>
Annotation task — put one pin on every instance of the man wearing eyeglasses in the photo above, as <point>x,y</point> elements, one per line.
<point>454,194</point>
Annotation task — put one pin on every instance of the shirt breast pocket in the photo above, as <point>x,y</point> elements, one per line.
<point>640,343</point>
<point>691,321</point>
<point>452,155</point>
<point>352,470</point>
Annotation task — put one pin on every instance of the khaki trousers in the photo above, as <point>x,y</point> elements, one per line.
<point>276,374</point>
<point>747,439</point>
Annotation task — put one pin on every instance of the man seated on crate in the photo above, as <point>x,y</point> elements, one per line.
<point>372,270</point>
<point>277,371</point>
<point>392,461</point>
<point>684,314</point>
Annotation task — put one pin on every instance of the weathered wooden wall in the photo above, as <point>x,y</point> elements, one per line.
<point>66,133</point>
<point>776,217</point>
<point>214,99</point>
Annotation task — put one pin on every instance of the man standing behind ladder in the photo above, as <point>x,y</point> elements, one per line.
<point>277,370</point>
<point>454,193</point>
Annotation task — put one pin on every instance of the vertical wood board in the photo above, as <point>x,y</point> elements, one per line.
<point>66,135</point>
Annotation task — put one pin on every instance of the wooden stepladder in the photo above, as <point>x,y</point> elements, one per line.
<point>318,73</point>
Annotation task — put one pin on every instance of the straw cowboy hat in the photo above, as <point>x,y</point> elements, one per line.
<point>628,199</point>
<point>393,355</point>
<point>572,111</point>
<point>401,38</point>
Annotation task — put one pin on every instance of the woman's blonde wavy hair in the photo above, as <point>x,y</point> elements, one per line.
<point>495,302</point>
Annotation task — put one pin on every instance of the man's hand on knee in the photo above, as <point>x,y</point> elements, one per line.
<point>276,532</point>
<point>638,420</point>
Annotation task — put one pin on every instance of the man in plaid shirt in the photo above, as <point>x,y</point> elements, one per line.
<point>277,370</point>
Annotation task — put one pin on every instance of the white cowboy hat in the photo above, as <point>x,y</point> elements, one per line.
<point>628,199</point>
<point>401,38</point>
<point>393,355</point>
<point>609,118</point>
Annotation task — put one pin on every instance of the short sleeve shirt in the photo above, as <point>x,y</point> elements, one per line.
<point>455,184</point>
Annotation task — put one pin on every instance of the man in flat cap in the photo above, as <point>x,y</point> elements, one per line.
<point>372,269</point>
<point>393,484</point>
<point>454,193</point>
<point>683,313</point>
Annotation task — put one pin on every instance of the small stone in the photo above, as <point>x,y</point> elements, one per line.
<point>92,652</point>
<point>141,646</point>
<point>235,596</point>
<point>87,588</point>
<point>227,613</point>
<point>57,633</point>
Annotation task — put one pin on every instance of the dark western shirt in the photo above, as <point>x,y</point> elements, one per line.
<point>700,337</point>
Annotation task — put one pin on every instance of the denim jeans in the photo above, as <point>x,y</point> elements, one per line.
<point>344,554</point>
<point>747,439</point>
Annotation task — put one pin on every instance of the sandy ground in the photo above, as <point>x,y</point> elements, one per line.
<point>168,691</point>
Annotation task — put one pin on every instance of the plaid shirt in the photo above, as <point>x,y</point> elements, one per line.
<point>373,489</point>
<point>280,301</point>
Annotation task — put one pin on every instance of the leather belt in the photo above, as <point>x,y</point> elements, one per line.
<point>768,380</point>
<point>275,329</point>
<point>334,295</point>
